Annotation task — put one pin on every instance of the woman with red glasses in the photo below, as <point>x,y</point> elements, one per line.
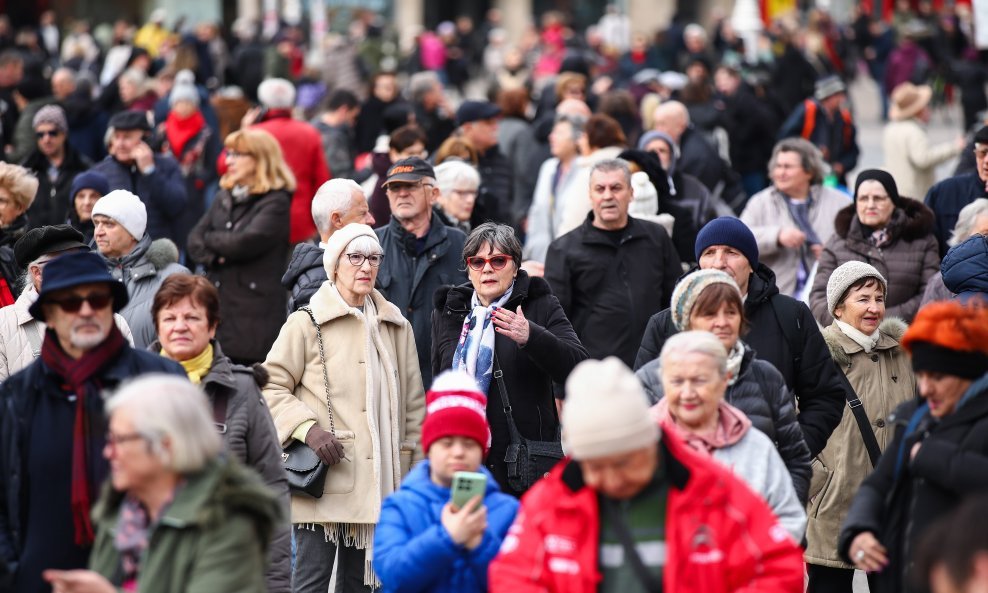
<point>506,320</point>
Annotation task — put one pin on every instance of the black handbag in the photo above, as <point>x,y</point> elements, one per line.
<point>306,472</point>
<point>527,460</point>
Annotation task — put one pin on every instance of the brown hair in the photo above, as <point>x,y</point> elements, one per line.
<point>272,171</point>
<point>712,297</point>
<point>406,136</point>
<point>457,147</point>
<point>603,131</point>
<point>513,102</point>
<point>566,79</point>
<point>860,283</point>
<point>178,286</point>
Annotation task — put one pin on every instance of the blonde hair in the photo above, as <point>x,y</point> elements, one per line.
<point>272,171</point>
<point>21,183</point>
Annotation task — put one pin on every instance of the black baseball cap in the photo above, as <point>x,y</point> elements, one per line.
<point>410,169</point>
<point>475,111</point>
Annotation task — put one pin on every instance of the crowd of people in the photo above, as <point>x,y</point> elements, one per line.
<point>579,311</point>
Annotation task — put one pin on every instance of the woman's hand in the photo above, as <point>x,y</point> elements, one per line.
<point>77,581</point>
<point>513,325</point>
<point>867,553</point>
<point>326,445</point>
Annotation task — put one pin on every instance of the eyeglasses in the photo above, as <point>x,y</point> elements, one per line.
<point>72,304</point>
<point>51,133</point>
<point>233,154</point>
<point>980,154</point>
<point>497,262</point>
<point>358,259</point>
<point>397,187</point>
<point>115,440</point>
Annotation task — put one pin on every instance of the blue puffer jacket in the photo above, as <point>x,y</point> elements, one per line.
<point>965,267</point>
<point>413,551</point>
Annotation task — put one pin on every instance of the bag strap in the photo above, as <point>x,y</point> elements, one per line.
<point>646,578</point>
<point>322,360</point>
<point>506,401</point>
<point>861,417</point>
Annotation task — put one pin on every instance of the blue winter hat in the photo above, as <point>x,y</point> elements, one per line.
<point>89,180</point>
<point>727,230</point>
<point>74,269</point>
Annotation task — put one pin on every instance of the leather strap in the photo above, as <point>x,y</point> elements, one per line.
<point>861,417</point>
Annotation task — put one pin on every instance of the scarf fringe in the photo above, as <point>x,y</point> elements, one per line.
<point>352,535</point>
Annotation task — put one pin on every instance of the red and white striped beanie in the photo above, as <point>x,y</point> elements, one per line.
<point>455,407</point>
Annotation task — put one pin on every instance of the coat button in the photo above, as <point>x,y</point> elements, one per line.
<point>880,423</point>
<point>253,286</point>
<point>229,225</point>
<point>409,310</point>
<point>874,358</point>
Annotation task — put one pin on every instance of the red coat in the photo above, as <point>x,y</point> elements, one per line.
<point>720,536</point>
<point>302,146</point>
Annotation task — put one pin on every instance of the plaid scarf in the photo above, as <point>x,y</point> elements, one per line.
<point>80,378</point>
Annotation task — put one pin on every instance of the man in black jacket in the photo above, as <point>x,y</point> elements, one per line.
<point>420,252</point>
<point>477,121</point>
<point>783,331</point>
<point>613,272</point>
<point>946,198</point>
<point>55,163</point>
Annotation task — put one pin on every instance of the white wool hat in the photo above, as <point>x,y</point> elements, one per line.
<point>606,411</point>
<point>337,244</point>
<point>125,208</point>
<point>847,274</point>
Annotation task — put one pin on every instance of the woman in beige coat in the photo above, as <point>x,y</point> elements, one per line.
<point>865,345</point>
<point>369,432</point>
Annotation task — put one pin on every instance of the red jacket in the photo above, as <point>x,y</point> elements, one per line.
<point>720,536</point>
<point>302,146</point>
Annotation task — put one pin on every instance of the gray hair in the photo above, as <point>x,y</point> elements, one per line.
<point>695,342</point>
<point>451,173</point>
<point>137,77</point>
<point>577,122</point>
<point>276,93</point>
<point>498,236</point>
<point>363,245</point>
<point>966,220</point>
<point>609,165</point>
<point>169,408</point>
<point>810,158</point>
<point>421,83</point>
<point>336,195</point>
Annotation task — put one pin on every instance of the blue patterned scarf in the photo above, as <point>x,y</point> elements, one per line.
<point>475,350</point>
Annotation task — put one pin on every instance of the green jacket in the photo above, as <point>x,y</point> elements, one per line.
<point>212,539</point>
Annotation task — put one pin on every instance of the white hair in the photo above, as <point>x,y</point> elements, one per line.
<point>336,195</point>
<point>695,342</point>
<point>170,408</point>
<point>450,174</point>
<point>364,245</point>
<point>276,93</point>
<point>966,220</point>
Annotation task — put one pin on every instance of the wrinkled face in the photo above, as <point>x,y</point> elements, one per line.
<point>941,391</point>
<point>621,476</point>
<point>356,280</point>
<point>112,239</point>
<point>980,154</point>
<point>241,167</point>
<point>863,309</point>
<point>789,176</point>
<point>610,196</point>
<point>9,208</point>
<point>482,133</point>
<point>452,454</point>
<point>562,144</point>
<point>51,140</point>
<point>86,327</point>
<point>132,463</point>
<point>85,199</point>
<point>359,212</point>
<point>725,323</point>
<point>729,260</point>
<point>410,199</point>
<point>661,148</point>
<point>489,282</point>
<point>184,329</point>
<point>459,201</point>
<point>694,388</point>
<point>873,204</point>
<point>123,143</point>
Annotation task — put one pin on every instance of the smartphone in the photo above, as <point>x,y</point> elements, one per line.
<point>467,485</point>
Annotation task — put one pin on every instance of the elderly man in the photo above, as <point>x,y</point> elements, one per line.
<point>782,329</point>
<point>633,512</point>
<point>948,197</point>
<point>20,333</point>
<point>478,124</point>
<point>155,178</point>
<point>420,252</point>
<point>55,163</point>
<point>54,427</point>
<point>613,272</point>
<point>337,203</point>
<point>141,264</point>
<point>301,145</point>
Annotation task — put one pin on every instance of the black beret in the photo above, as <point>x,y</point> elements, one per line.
<point>131,120</point>
<point>47,239</point>
<point>981,136</point>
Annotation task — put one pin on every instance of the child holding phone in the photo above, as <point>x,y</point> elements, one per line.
<point>424,540</point>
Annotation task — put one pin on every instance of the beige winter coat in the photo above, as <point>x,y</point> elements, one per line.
<point>767,213</point>
<point>911,159</point>
<point>882,380</point>
<point>295,394</point>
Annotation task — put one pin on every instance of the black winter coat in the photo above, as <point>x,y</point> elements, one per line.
<point>946,199</point>
<point>530,371</point>
<point>494,196</point>
<point>51,203</point>
<point>800,354</point>
<point>409,279</point>
<point>902,498</point>
<point>304,276</point>
<point>761,393</point>
<point>609,291</point>
<point>163,192</point>
<point>244,247</point>
<point>19,399</point>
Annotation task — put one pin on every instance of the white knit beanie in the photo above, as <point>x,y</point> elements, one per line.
<point>338,242</point>
<point>689,288</point>
<point>125,208</point>
<point>847,274</point>
<point>606,411</point>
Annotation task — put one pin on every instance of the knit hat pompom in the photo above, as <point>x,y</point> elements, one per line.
<point>950,338</point>
<point>455,406</point>
<point>688,290</point>
<point>847,274</point>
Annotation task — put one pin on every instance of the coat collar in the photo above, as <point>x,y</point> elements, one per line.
<point>327,305</point>
<point>676,471</point>
<point>910,221</point>
<point>435,239</point>
<point>595,236</point>
<point>457,298</point>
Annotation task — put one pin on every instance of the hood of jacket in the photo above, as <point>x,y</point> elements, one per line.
<point>910,221</point>
<point>305,257</point>
<point>965,267</point>
<point>842,347</point>
<point>761,285</point>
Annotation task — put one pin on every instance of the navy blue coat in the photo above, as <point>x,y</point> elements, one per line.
<point>965,268</point>
<point>947,198</point>
<point>163,192</point>
<point>304,276</point>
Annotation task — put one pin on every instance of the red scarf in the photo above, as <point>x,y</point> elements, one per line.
<point>179,130</point>
<point>80,378</point>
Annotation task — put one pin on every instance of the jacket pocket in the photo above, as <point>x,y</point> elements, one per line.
<point>405,454</point>
<point>819,484</point>
<point>341,478</point>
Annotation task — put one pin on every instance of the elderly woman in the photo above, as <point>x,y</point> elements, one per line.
<point>362,416</point>
<point>865,346</point>
<point>693,368</point>
<point>709,300</point>
<point>186,312</point>
<point>938,454</point>
<point>793,218</point>
<point>243,243</point>
<point>87,189</point>
<point>176,515</point>
<point>18,187</point>
<point>972,220</point>
<point>457,182</point>
<point>507,319</point>
<point>892,233</point>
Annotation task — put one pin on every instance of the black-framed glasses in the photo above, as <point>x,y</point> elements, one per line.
<point>51,133</point>
<point>72,304</point>
<point>497,262</point>
<point>358,259</point>
<point>114,440</point>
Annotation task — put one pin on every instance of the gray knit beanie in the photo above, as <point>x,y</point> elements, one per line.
<point>847,274</point>
<point>51,114</point>
<point>689,288</point>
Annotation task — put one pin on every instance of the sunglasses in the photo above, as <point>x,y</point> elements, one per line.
<point>72,304</point>
<point>51,133</point>
<point>497,262</point>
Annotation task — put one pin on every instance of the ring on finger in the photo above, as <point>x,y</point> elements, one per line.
<point>859,556</point>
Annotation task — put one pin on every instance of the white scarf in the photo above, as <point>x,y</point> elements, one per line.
<point>864,340</point>
<point>475,350</point>
<point>734,358</point>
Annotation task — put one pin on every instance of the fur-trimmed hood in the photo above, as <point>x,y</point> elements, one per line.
<point>891,327</point>
<point>910,221</point>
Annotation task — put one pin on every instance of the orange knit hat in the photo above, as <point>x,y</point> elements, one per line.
<point>950,338</point>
